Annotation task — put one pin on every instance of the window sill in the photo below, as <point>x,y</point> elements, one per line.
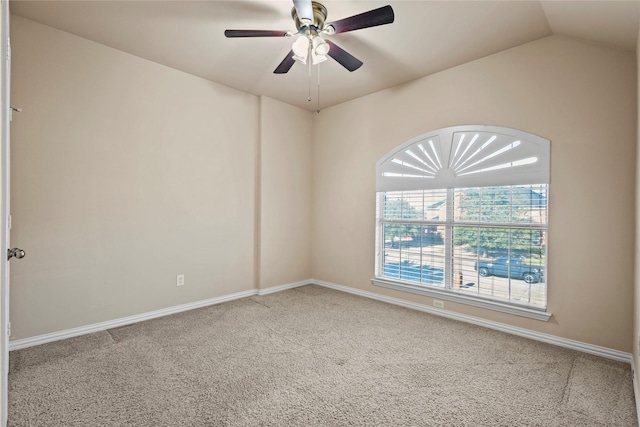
<point>464,299</point>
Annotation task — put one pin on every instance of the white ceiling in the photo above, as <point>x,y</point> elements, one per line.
<point>426,37</point>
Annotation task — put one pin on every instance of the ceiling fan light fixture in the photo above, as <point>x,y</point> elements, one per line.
<point>317,59</point>
<point>300,49</point>
<point>300,59</point>
<point>319,50</point>
<point>320,47</point>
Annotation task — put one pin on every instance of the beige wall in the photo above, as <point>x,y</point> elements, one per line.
<point>127,173</point>
<point>285,196</point>
<point>580,96</point>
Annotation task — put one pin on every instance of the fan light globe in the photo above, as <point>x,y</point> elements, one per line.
<point>318,58</point>
<point>319,51</point>
<point>300,49</point>
<point>320,46</point>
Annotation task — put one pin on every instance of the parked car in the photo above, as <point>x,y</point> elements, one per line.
<point>510,267</point>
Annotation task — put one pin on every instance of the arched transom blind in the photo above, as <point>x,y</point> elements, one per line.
<point>465,156</point>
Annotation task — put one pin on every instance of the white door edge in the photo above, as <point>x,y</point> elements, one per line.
<point>5,50</point>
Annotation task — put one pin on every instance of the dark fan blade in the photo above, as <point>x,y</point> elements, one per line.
<point>286,64</point>
<point>345,59</point>
<point>254,33</point>
<point>304,11</point>
<point>373,18</point>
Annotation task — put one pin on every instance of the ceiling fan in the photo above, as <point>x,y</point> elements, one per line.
<point>309,17</point>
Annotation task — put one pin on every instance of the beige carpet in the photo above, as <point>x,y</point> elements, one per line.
<point>312,356</point>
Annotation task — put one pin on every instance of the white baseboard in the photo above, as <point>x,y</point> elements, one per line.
<point>538,336</point>
<point>102,326</point>
<point>526,333</point>
<point>273,289</point>
<point>97,327</point>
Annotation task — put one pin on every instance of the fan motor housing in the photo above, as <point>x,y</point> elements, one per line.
<point>319,16</point>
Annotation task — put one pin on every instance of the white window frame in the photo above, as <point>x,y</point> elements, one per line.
<point>493,156</point>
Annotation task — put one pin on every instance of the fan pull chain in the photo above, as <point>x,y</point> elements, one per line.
<point>318,108</point>
<point>309,63</point>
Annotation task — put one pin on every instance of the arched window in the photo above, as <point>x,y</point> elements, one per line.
<point>462,216</point>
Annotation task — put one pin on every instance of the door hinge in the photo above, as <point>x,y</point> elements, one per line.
<point>9,222</point>
<point>9,329</point>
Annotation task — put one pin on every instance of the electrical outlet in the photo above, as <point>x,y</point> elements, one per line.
<point>438,303</point>
<point>180,280</point>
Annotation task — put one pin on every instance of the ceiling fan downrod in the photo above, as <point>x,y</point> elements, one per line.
<point>319,13</point>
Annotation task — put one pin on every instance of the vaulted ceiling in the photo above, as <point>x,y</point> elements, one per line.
<point>426,37</point>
